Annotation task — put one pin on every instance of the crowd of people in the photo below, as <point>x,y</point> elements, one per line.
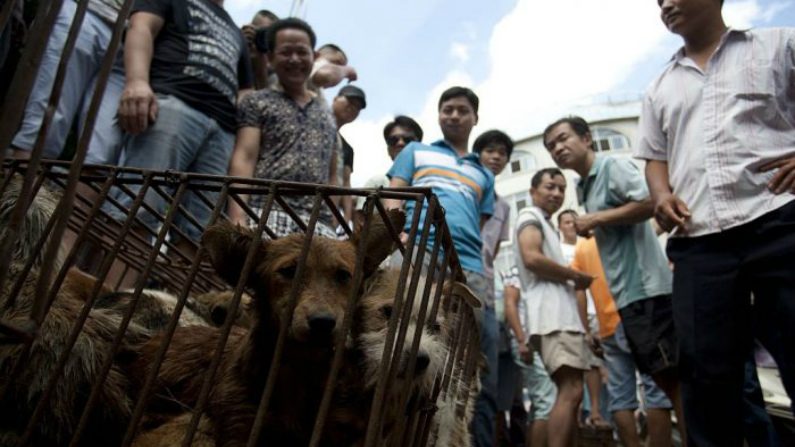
<point>592,300</point>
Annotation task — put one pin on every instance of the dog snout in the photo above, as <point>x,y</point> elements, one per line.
<point>423,360</point>
<point>321,325</point>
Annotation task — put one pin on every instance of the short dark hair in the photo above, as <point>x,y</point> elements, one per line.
<point>403,121</point>
<point>568,211</point>
<point>333,47</point>
<point>266,13</point>
<point>538,176</point>
<point>491,137</point>
<point>455,92</point>
<point>577,124</point>
<point>289,23</point>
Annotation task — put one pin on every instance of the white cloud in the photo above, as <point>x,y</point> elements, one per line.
<point>547,57</point>
<point>460,52</point>
<point>774,9</point>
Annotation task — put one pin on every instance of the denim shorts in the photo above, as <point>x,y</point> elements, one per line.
<point>540,387</point>
<point>182,139</point>
<point>622,386</point>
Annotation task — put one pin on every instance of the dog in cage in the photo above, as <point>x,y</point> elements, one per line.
<point>246,357</point>
<point>25,373</point>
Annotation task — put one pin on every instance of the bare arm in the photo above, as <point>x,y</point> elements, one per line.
<point>669,210</point>
<point>533,258</point>
<point>626,214</point>
<point>347,200</point>
<point>330,75</point>
<point>512,297</point>
<point>582,309</point>
<point>138,104</point>
<point>395,182</point>
<point>244,159</point>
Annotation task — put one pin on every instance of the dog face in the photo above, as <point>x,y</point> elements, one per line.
<point>375,310</point>
<point>325,285</point>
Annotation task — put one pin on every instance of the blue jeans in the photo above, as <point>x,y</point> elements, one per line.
<point>78,89</point>
<point>182,139</point>
<point>540,387</point>
<point>485,419</point>
<point>622,388</point>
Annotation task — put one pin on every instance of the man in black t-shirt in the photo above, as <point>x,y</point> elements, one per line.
<point>186,65</point>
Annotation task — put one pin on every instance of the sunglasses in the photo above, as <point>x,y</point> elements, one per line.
<point>394,139</point>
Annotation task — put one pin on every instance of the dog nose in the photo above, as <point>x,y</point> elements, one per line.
<point>422,363</point>
<point>322,324</point>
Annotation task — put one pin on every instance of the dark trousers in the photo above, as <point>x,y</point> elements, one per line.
<point>717,319</point>
<point>757,425</point>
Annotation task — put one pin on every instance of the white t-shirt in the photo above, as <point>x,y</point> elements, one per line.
<point>550,306</point>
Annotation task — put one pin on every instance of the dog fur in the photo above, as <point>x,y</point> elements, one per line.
<point>58,422</point>
<point>247,354</point>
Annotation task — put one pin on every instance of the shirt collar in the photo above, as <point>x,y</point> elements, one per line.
<point>469,156</point>
<point>680,54</point>
<point>585,182</point>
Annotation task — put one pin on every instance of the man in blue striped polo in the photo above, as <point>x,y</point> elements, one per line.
<point>465,189</point>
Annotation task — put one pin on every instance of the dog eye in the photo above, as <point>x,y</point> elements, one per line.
<point>343,276</point>
<point>435,328</point>
<point>386,311</point>
<point>288,272</point>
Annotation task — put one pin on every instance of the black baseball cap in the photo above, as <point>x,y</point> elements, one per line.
<point>351,91</point>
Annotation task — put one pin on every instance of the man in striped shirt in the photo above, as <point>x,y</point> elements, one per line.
<point>465,189</point>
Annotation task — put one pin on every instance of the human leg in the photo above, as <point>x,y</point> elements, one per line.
<point>484,420</point>
<point>564,413</point>
<point>758,427</point>
<point>542,393</point>
<point>621,390</point>
<point>711,307</point>
<point>80,69</point>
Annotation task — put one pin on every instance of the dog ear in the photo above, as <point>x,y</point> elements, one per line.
<point>380,243</point>
<point>227,246</point>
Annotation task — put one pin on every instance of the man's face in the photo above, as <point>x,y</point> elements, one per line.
<point>495,157</point>
<point>566,147</point>
<point>292,57</point>
<point>566,226</point>
<point>457,118</point>
<point>397,139</point>
<point>688,17</point>
<point>550,193</point>
<point>345,109</point>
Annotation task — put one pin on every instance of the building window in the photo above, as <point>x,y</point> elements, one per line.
<point>516,166</point>
<point>520,204</point>
<point>605,139</point>
<point>523,162</point>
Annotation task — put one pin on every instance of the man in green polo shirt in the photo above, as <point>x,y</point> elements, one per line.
<point>614,193</point>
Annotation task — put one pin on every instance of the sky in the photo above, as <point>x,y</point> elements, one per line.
<point>529,61</point>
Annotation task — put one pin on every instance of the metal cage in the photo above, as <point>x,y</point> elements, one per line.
<point>84,214</point>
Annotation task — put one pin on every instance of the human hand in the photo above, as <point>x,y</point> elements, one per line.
<point>595,345</point>
<point>585,224</point>
<point>525,352</point>
<point>670,212</point>
<point>249,32</point>
<point>350,73</point>
<point>137,107</point>
<point>784,179</point>
<point>582,281</point>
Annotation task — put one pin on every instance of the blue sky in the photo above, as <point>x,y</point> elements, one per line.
<point>529,60</point>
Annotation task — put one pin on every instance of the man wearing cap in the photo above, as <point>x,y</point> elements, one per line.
<point>346,107</point>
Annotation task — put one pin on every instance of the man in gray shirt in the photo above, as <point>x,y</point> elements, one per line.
<point>614,193</point>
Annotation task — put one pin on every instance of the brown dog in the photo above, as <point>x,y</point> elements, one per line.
<point>61,413</point>
<point>322,298</point>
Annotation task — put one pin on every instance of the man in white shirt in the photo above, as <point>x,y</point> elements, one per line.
<point>551,312</point>
<point>718,132</point>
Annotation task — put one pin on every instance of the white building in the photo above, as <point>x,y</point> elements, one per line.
<point>614,128</point>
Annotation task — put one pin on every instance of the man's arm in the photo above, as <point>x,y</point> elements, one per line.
<point>669,211</point>
<point>244,159</point>
<point>626,214</point>
<point>530,242</point>
<point>582,309</point>
<point>330,75</point>
<point>347,200</point>
<point>138,104</point>
<point>512,297</point>
<point>395,182</point>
